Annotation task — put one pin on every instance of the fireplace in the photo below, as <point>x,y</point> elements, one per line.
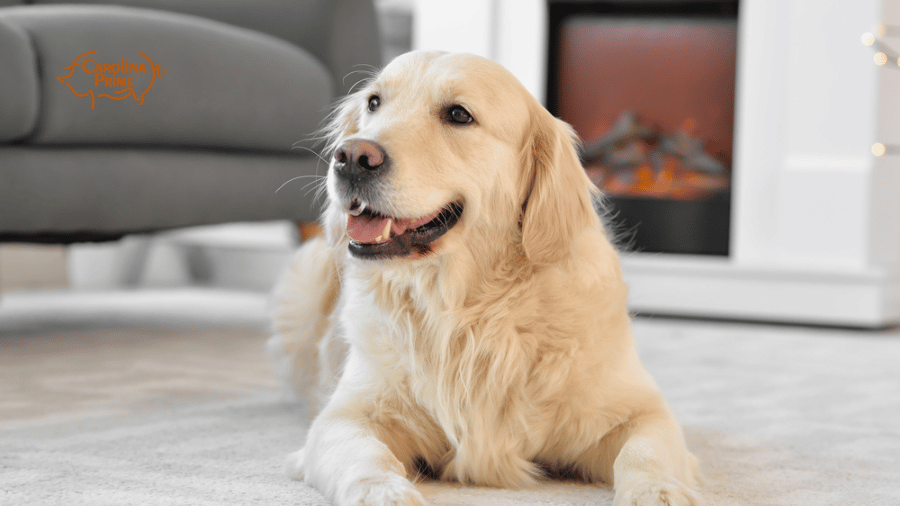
<point>649,88</point>
<point>814,215</point>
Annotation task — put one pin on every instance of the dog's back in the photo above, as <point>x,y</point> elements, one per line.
<point>306,354</point>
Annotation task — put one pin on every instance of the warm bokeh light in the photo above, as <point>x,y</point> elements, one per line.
<point>868,39</point>
<point>880,59</point>
<point>879,149</point>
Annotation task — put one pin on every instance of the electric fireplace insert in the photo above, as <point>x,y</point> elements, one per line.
<point>649,87</point>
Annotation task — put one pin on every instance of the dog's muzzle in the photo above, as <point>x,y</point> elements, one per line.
<point>358,165</point>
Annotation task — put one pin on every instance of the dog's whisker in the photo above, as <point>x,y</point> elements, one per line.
<point>370,71</point>
<point>317,188</point>
<point>314,152</point>
<point>317,177</point>
<point>311,186</point>
<point>365,80</point>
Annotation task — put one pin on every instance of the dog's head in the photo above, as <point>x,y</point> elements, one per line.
<point>446,151</point>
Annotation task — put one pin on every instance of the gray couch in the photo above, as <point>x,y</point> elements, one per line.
<point>205,134</point>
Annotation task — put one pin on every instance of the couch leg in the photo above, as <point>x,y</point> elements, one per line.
<point>308,229</point>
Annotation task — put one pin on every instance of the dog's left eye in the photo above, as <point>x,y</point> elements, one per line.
<point>457,114</point>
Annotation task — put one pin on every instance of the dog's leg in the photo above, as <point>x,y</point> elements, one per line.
<point>346,456</point>
<point>350,466</point>
<point>652,466</point>
<point>647,462</point>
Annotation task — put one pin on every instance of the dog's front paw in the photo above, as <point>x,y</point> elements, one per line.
<point>293,465</point>
<point>657,493</point>
<point>389,490</point>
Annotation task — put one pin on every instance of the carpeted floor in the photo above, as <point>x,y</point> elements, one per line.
<point>167,398</point>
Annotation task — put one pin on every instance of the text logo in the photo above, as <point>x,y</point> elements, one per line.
<point>118,80</point>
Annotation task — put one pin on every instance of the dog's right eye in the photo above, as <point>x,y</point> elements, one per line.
<point>374,103</point>
<point>458,115</point>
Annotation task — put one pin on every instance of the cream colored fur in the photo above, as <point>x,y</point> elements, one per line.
<point>504,354</point>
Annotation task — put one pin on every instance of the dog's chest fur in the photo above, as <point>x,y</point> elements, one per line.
<point>495,384</point>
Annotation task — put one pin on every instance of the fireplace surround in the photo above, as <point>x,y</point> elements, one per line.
<point>815,215</point>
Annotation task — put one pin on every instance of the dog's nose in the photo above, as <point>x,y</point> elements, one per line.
<point>359,158</point>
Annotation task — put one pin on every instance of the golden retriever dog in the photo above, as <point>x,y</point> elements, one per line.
<point>464,316</point>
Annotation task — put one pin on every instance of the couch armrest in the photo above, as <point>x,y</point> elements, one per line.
<point>18,83</point>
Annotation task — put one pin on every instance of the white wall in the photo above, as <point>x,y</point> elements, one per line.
<point>510,32</point>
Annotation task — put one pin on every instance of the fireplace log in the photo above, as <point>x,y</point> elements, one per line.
<point>626,130</point>
<point>692,152</point>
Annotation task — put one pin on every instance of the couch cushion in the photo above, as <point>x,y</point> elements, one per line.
<point>110,190</point>
<point>193,82</point>
<point>18,84</point>
<point>342,34</point>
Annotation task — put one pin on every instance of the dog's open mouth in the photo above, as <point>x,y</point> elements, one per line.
<point>376,236</point>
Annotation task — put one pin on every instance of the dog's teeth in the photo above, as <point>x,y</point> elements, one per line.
<point>356,208</point>
<point>386,233</point>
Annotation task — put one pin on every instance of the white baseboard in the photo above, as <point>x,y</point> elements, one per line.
<point>719,288</point>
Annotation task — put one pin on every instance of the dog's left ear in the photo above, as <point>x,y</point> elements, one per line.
<point>558,197</point>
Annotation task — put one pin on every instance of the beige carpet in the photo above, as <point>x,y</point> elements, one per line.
<point>185,411</point>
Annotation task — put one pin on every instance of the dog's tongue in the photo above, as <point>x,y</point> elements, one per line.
<point>369,229</point>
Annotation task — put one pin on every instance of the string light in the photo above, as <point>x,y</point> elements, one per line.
<point>885,54</point>
<point>881,59</point>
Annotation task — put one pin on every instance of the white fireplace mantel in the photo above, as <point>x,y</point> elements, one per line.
<point>816,217</point>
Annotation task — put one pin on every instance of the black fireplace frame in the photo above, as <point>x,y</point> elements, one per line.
<point>646,224</point>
